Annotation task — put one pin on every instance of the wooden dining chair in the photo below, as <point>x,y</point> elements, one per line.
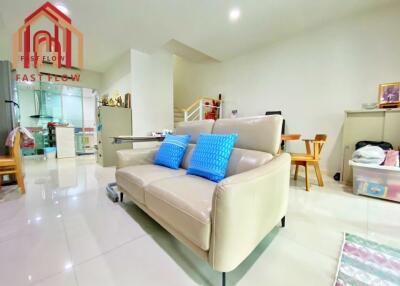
<point>288,137</point>
<point>12,165</point>
<point>310,158</point>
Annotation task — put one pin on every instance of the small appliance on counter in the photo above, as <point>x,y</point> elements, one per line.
<point>162,133</point>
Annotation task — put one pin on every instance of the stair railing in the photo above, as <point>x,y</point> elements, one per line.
<point>196,111</point>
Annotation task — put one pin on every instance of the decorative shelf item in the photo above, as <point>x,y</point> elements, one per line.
<point>389,95</point>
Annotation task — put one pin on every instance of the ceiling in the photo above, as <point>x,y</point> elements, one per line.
<point>110,28</point>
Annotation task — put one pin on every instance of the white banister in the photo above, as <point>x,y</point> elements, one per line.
<point>201,112</point>
<point>197,110</point>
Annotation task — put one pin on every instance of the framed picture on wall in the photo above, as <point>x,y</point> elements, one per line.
<point>389,95</point>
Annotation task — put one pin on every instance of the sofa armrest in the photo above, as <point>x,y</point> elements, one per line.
<point>131,157</point>
<point>246,207</point>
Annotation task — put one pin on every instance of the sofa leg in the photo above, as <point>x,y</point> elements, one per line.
<point>283,221</point>
<point>121,197</point>
<point>223,279</point>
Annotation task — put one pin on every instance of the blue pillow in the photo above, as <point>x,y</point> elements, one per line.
<point>172,150</point>
<point>211,156</point>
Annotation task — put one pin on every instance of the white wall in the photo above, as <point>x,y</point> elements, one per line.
<point>118,77</point>
<point>152,85</point>
<point>121,86</point>
<point>312,77</point>
<point>149,79</point>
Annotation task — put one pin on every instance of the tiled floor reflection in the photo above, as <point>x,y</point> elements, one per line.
<point>65,231</point>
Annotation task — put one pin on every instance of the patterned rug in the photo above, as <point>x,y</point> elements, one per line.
<point>364,262</point>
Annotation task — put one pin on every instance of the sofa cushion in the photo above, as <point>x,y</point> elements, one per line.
<point>194,128</point>
<point>134,179</point>
<point>185,203</point>
<point>261,133</point>
<point>172,150</point>
<point>211,156</point>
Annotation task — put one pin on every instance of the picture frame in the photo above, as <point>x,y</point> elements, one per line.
<point>389,95</point>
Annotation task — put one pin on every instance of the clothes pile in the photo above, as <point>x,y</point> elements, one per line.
<point>376,154</point>
<point>27,139</point>
<point>392,158</point>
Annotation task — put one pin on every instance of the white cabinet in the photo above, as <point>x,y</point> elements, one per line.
<point>65,140</point>
<point>371,125</point>
<point>113,121</point>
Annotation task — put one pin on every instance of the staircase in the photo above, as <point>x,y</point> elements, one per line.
<point>178,115</point>
<point>203,108</point>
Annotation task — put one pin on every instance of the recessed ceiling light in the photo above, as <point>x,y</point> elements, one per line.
<point>234,14</point>
<point>62,8</point>
<point>68,265</point>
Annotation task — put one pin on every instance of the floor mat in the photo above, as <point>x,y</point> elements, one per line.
<point>365,262</point>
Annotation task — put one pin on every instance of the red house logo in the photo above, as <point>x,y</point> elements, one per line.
<point>32,47</point>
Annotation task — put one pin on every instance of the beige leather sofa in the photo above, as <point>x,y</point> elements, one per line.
<point>221,222</point>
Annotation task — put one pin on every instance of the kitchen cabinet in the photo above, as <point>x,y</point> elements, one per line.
<point>112,121</point>
<point>65,142</point>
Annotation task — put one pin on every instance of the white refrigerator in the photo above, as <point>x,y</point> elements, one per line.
<point>9,108</point>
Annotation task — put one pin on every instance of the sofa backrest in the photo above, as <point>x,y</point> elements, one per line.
<point>258,141</point>
<point>241,160</point>
<point>194,128</point>
<point>259,133</point>
<point>188,156</point>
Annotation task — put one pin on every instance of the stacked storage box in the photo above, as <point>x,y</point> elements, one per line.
<point>376,181</point>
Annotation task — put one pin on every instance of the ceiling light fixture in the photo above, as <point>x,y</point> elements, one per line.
<point>234,14</point>
<point>62,8</point>
<point>68,265</point>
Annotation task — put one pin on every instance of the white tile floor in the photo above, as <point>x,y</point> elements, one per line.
<point>65,231</point>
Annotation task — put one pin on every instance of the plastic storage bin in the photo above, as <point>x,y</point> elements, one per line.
<point>376,181</point>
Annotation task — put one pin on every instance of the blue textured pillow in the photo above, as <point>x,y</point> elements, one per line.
<point>211,156</point>
<point>172,150</point>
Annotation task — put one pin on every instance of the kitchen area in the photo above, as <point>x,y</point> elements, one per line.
<point>61,118</point>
